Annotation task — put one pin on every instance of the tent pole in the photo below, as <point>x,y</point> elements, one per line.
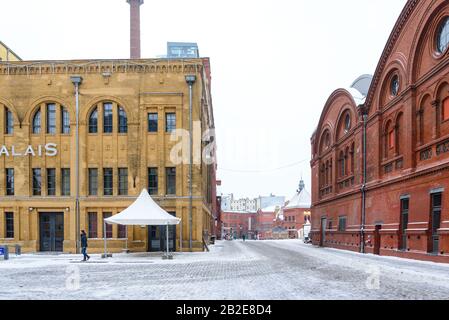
<point>167,244</point>
<point>104,237</point>
<point>180,237</point>
<point>126,248</point>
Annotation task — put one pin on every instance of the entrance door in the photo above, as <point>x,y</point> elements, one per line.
<point>51,232</point>
<point>435,222</point>
<point>377,239</point>
<point>323,231</point>
<point>157,238</point>
<point>404,224</point>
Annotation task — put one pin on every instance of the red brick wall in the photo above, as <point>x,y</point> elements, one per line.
<point>417,164</point>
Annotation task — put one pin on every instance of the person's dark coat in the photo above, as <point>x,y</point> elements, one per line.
<point>83,241</point>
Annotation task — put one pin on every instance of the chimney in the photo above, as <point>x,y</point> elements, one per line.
<point>135,28</point>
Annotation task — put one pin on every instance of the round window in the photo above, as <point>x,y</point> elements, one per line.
<point>443,36</point>
<point>395,85</point>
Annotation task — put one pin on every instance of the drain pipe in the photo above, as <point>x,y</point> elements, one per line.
<point>363,189</point>
<point>77,80</point>
<point>190,79</point>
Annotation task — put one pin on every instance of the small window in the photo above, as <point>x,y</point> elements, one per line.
<point>395,85</point>
<point>107,118</point>
<point>152,122</point>
<point>122,121</point>
<point>65,182</point>
<point>123,181</point>
<point>37,182</point>
<point>9,122</point>
<point>9,182</point>
<point>51,118</point>
<point>93,182</point>
<point>37,122</point>
<point>65,120</point>
<point>170,122</point>
<point>51,182</point>
<point>171,181</point>
<point>121,229</point>
<point>152,181</point>
<point>443,36</point>
<point>342,224</point>
<point>107,182</point>
<point>93,225</point>
<point>9,225</point>
<point>93,121</point>
<point>446,109</point>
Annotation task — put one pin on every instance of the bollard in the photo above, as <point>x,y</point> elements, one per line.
<point>18,250</point>
<point>5,252</point>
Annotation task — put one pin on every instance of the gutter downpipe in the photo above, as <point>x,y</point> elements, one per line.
<point>77,80</point>
<point>363,189</point>
<point>190,79</point>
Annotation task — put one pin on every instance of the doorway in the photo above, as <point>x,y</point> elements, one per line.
<point>51,232</point>
<point>404,224</point>
<point>157,238</point>
<point>323,232</point>
<point>377,239</point>
<point>435,221</point>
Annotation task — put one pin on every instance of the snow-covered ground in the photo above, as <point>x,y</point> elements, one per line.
<point>233,270</point>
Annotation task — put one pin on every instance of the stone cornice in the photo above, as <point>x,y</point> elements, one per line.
<point>101,66</point>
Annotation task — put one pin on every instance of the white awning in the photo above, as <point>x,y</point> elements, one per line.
<point>145,212</point>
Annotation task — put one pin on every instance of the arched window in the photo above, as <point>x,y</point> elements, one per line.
<point>65,121</point>
<point>37,122</point>
<point>9,122</point>
<point>122,121</point>
<point>443,36</point>
<point>93,121</point>
<point>352,159</point>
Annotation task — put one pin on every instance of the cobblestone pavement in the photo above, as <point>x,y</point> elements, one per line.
<point>233,270</point>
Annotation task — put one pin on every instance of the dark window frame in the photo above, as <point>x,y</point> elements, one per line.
<point>37,181</point>
<point>122,120</point>
<point>109,231</point>
<point>108,118</point>
<point>37,122</point>
<point>51,181</point>
<point>342,223</point>
<point>170,181</point>
<point>93,121</point>
<point>108,177</point>
<point>92,225</point>
<point>153,181</point>
<point>170,122</point>
<point>9,225</point>
<point>9,173</point>
<point>65,182</point>
<point>9,122</point>
<point>93,181</point>
<point>51,118</point>
<point>65,121</point>
<point>153,125</point>
<point>123,181</point>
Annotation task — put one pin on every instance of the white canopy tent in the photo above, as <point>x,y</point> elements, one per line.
<point>143,212</point>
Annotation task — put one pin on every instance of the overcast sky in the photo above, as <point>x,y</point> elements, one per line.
<point>274,64</point>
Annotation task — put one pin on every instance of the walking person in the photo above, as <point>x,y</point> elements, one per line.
<point>244,237</point>
<point>84,245</point>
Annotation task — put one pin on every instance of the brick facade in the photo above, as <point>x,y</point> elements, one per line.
<point>407,144</point>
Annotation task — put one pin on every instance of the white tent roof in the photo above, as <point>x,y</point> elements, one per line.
<point>144,211</point>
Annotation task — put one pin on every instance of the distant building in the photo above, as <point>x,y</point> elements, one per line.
<point>242,205</point>
<point>296,213</point>
<point>6,54</point>
<point>272,200</point>
<point>179,50</point>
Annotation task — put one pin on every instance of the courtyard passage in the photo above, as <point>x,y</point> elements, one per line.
<point>232,270</point>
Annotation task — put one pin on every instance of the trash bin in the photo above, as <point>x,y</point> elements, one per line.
<point>4,252</point>
<point>212,239</point>
<point>18,250</point>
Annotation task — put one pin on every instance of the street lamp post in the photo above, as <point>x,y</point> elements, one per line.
<point>77,80</point>
<point>190,79</point>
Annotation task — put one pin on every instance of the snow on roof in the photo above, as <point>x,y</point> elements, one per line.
<point>301,200</point>
<point>271,209</point>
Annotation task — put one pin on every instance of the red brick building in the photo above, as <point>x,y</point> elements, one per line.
<point>238,224</point>
<point>296,213</point>
<point>380,156</point>
<point>266,221</point>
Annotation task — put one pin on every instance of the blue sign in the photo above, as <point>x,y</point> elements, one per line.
<point>2,251</point>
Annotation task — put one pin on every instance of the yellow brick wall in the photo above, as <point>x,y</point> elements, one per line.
<point>139,87</point>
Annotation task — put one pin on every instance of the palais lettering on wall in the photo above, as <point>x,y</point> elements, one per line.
<point>49,150</point>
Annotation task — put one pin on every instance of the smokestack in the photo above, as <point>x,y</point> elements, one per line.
<point>135,28</point>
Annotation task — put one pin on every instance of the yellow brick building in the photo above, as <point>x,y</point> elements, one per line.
<point>6,54</point>
<point>128,110</point>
